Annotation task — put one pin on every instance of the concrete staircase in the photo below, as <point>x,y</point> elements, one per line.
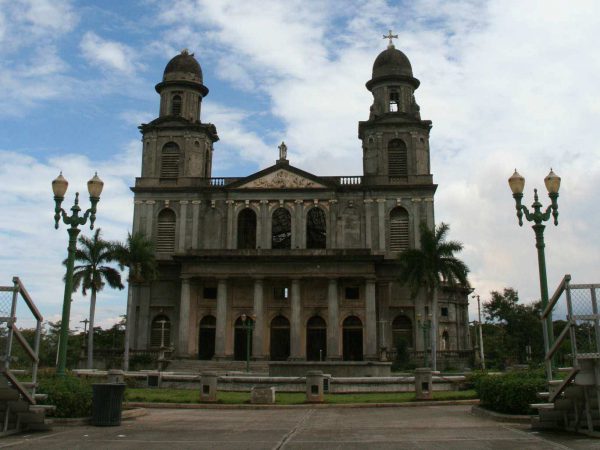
<point>572,403</point>
<point>219,367</point>
<point>18,414</point>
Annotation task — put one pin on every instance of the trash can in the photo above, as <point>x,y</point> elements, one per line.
<point>107,402</point>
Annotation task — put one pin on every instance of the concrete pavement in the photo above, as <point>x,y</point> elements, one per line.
<point>426,427</point>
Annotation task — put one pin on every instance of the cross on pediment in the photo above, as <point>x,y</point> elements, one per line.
<point>390,36</point>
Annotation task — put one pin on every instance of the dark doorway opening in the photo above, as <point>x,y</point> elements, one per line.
<point>316,339</point>
<point>353,339</point>
<point>206,338</point>
<point>240,341</point>
<point>280,339</point>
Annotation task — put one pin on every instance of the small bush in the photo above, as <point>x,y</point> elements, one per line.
<point>510,393</point>
<point>72,396</point>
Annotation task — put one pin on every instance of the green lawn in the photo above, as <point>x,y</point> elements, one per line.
<point>283,398</point>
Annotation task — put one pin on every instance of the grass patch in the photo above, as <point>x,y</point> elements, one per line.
<point>284,398</point>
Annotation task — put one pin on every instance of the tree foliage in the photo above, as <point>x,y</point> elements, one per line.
<point>510,329</point>
<point>95,255</point>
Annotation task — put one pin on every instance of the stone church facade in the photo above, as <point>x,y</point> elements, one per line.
<point>311,259</point>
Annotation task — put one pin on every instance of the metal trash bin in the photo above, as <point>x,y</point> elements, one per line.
<point>107,403</point>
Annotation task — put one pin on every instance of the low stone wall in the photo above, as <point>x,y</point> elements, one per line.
<point>244,383</point>
<point>334,368</point>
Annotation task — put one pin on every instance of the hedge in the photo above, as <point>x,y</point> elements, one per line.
<point>71,395</point>
<point>510,393</point>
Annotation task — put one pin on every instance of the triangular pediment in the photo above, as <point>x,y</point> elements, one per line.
<point>282,178</point>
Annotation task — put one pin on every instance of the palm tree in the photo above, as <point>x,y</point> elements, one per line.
<point>92,274</point>
<point>431,266</point>
<point>137,254</point>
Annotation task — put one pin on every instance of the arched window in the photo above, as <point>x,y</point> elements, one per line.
<point>165,233</point>
<point>246,231</point>
<point>352,339</point>
<point>394,101</point>
<point>169,161</point>
<point>176,105</point>
<point>402,332</point>
<point>398,230</point>
<point>445,343</point>
<point>397,158</point>
<point>316,229</point>
<point>316,339</point>
<point>281,230</point>
<point>160,332</point>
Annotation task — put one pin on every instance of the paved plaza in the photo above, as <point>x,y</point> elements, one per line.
<point>424,427</point>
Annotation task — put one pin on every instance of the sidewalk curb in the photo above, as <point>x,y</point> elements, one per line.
<point>479,411</point>
<point>300,406</point>
<point>126,414</point>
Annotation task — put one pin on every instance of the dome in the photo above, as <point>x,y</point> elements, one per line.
<point>183,66</point>
<point>391,62</point>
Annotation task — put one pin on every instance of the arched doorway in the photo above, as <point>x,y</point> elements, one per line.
<point>280,339</point>
<point>316,339</point>
<point>240,340</point>
<point>206,337</point>
<point>353,339</point>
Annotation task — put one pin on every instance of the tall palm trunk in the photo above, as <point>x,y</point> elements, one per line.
<point>434,327</point>
<point>90,355</point>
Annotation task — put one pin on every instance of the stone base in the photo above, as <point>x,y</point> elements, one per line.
<point>262,395</point>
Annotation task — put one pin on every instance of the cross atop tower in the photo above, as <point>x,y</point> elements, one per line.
<point>390,36</point>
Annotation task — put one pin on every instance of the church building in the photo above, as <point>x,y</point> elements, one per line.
<point>310,260</point>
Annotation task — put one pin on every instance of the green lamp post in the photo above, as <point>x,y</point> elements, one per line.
<point>425,325</point>
<point>538,217</point>
<point>59,187</point>
<point>248,324</point>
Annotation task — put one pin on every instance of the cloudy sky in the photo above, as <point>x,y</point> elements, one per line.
<point>506,83</point>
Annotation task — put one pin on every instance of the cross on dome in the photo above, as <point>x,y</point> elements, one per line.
<point>390,36</point>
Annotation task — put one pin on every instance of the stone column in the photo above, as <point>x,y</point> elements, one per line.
<point>333,316</point>
<point>184,318</point>
<point>332,231</point>
<point>138,205</point>
<point>149,217</point>
<point>368,223</point>
<point>264,240</point>
<point>221,326</point>
<point>371,320</point>
<point>259,325</point>
<point>297,228</point>
<point>381,221</point>
<point>144,320</point>
<point>182,224</point>
<point>230,211</point>
<point>416,222</point>
<point>296,322</point>
<point>195,219</point>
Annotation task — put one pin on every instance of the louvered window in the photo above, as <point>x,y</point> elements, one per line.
<point>169,161</point>
<point>165,236</point>
<point>397,159</point>
<point>176,105</point>
<point>160,332</point>
<point>398,230</point>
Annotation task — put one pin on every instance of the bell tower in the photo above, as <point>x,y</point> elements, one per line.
<point>177,145</point>
<point>395,140</point>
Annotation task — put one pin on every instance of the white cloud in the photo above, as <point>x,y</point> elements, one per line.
<point>109,55</point>
<point>32,249</point>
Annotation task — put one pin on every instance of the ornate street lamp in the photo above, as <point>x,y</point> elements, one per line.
<point>425,325</point>
<point>248,325</point>
<point>552,182</point>
<point>59,187</point>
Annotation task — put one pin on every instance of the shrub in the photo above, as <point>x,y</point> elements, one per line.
<point>510,393</point>
<point>72,396</point>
